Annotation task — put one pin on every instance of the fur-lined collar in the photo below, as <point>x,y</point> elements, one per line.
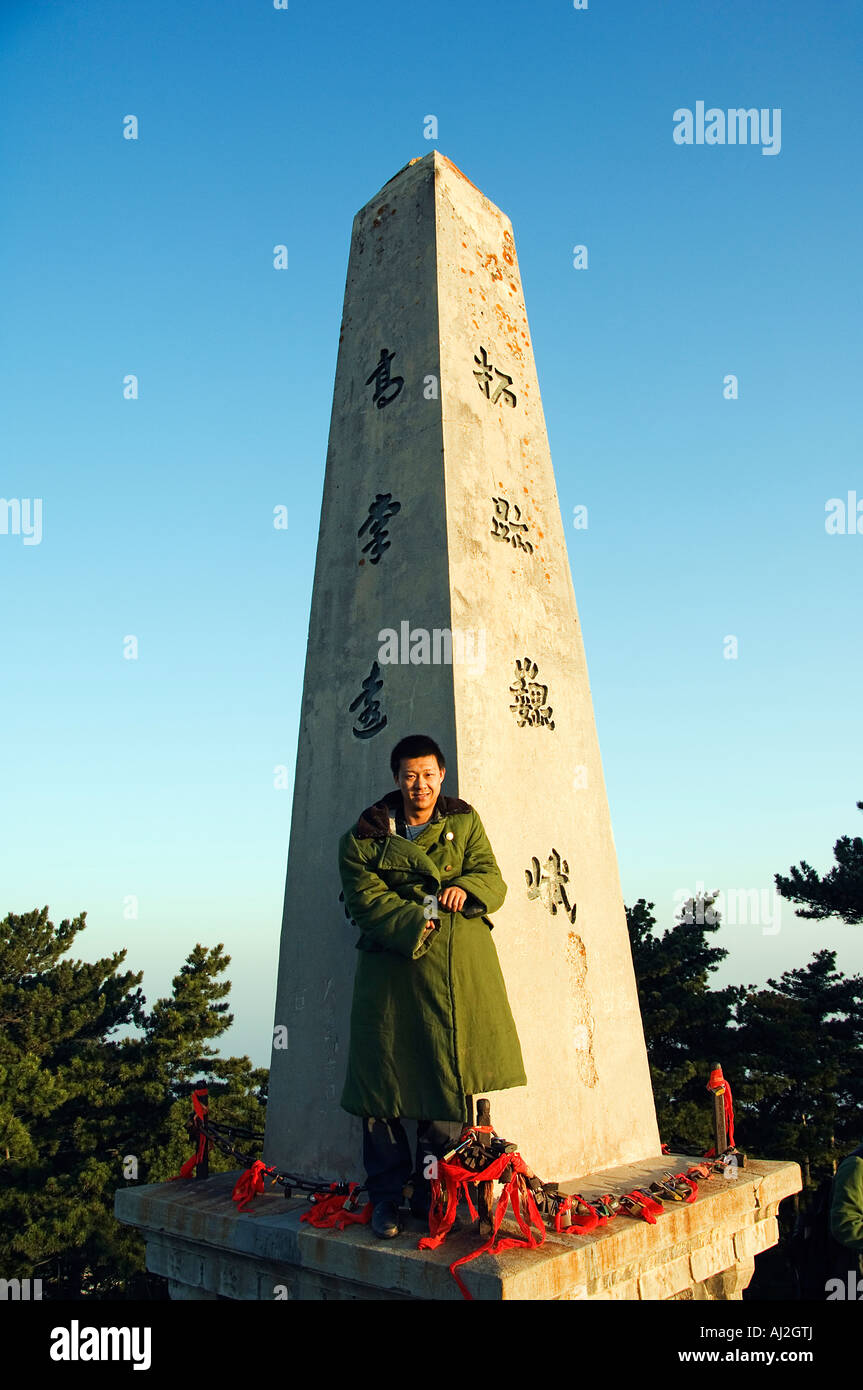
<point>375,821</point>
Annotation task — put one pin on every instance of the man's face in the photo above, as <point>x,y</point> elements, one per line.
<point>420,781</point>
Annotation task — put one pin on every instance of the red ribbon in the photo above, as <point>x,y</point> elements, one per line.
<point>456,1178</point>
<point>249,1183</point>
<point>718,1082</point>
<point>328,1209</point>
<point>201,1112</point>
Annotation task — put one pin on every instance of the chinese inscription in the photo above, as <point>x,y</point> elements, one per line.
<point>380,512</point>
<point>531,697</point>
<point>548,883</point>
<point>386,387</point>
<point>485,380</point>
<point>369,720</point>
<point>506,524</point>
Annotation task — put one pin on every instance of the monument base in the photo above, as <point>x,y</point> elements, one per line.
<point>702,1250</point>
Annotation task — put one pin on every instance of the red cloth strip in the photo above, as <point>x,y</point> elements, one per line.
<point>249,1183</point>
<point>201,1112</point>
<point>328,1210</point>
<point>492,1246</point>
<point>716,1081</point>
<point>457,1179</point>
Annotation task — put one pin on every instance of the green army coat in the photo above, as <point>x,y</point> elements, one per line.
<point>431,1021</point>
<point>846,1211</point>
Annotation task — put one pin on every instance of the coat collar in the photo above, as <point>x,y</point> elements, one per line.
<point>378,821</point>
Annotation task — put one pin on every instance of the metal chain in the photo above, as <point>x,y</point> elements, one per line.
<point>289,1181</point>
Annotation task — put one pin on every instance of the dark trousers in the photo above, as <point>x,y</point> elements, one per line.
<point>387,1157</point>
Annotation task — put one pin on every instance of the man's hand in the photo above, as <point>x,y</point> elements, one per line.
<point>452,898</point>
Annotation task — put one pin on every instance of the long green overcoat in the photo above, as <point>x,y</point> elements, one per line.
<point>846,1211</point>
<point>431,1022</point>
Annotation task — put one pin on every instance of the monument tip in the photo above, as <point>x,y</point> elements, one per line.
<point>436,159</point>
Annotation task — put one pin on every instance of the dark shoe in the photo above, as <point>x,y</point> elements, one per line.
<point>385,1220</point>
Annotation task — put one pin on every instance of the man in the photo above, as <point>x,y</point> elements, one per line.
<point>846,1211</point>
<point>431,1022</point>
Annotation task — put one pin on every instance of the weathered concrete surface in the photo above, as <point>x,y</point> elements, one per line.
<point>588,1103</point>
<point>477,546</point>
<point>704,1250</point>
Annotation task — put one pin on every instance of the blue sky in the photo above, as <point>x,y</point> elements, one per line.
<point>154,778</point>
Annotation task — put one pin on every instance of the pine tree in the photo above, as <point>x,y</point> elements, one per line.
<point>800,1094</point>
<point>83,1112</point>
<point>839,893</point>
<point>55,1014</point>
<point>687,1025</point>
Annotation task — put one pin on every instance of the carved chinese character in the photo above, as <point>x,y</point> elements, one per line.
<point>548,883</point>
<point>369,721</point>
<point>531,697</point>
<point>507,526</point>
<point>485,379</point>
<point>384,382</point>
<point>380,512</point>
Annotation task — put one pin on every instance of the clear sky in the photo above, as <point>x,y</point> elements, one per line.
<point>155,779</point>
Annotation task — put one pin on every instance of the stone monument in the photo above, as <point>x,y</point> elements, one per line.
<point>443,604</point>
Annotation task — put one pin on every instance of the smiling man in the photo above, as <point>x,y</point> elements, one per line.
<point>431,1022</point>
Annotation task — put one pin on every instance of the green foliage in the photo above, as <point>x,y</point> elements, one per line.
<point>800,1051</point>
<point>792,1051</point>
<point>80,1108</point>
<point>686,1023</point>
<point>839,893</point>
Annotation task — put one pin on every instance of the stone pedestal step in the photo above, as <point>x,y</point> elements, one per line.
<point>703,1250</point>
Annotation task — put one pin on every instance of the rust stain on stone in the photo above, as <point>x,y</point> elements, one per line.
<point>577,956</point>
<point>508,331</point>
<point>458,171</point>
<point>582,1020</point>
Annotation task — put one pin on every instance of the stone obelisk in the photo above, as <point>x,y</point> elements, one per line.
<point>443,604</point>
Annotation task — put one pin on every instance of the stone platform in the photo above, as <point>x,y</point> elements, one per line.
<point>702,1250</point>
